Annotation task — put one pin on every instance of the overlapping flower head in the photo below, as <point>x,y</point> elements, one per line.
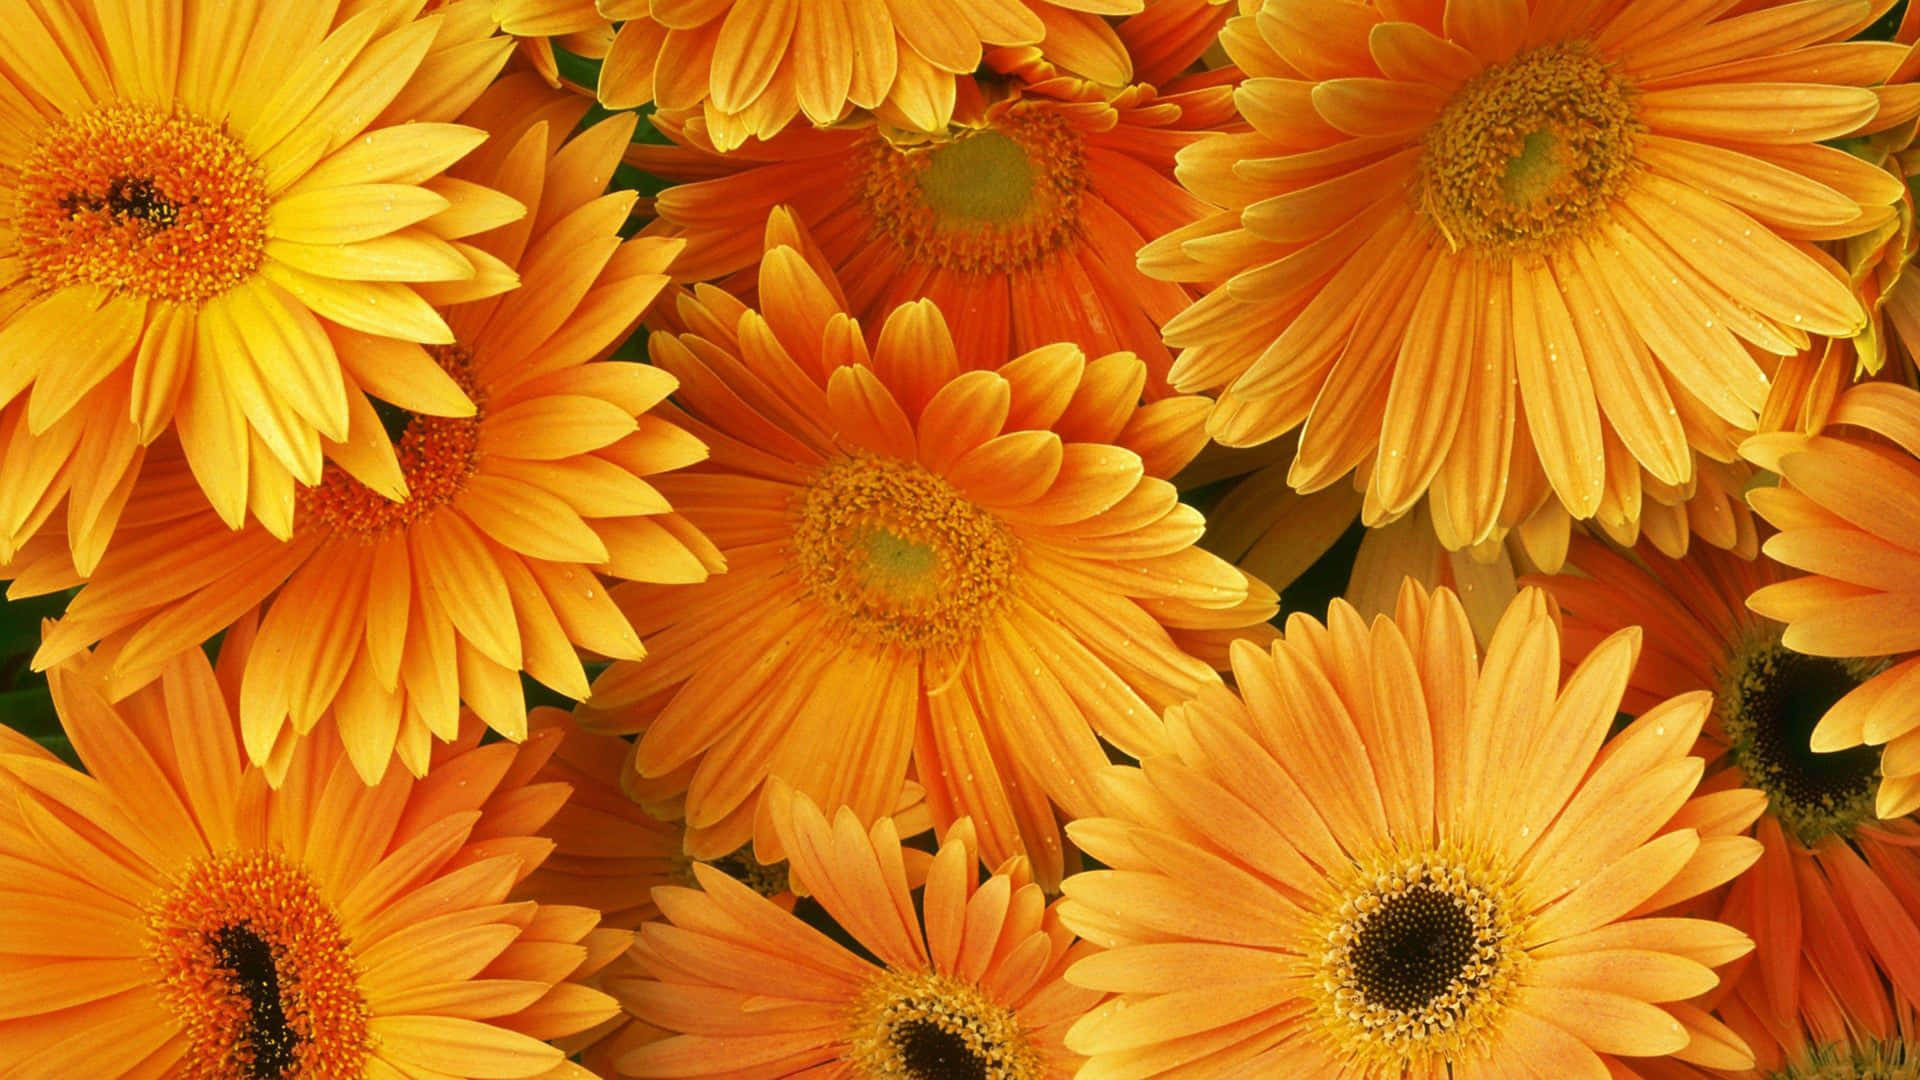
<point>1623,196</point>
<point>610,854</point>
<point>1865,1030</point>
<point>1392,857</point>
<point>213,219</point>
<point>167,913</point>
<point>966,982</point>
<point>1020,218</point>
<point>978,572</point>
<point>753,68</point>
<point>1830,903</point>
<point>1877,264</point>
<point>1847,509</point>
<point>439,557</point>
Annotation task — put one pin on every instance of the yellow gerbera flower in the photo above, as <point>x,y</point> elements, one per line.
<point>753,66</point>
<point>1519,240</point>
<point>166,914</point>
<point>978,571</point>
<point>1385,857</point>
<point>213,219</point>
<point>439,557</point>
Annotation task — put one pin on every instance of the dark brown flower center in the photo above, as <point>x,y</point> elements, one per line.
<point>931,1052</point>
<point>1773,702</point>
<point>1413,948</point>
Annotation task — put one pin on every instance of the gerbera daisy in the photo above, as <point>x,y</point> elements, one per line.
<point>166,913</point>
<point>1620,194</point>
<point>1848,511</point>
<point>609,855</point>
<point>225,221</point>
<point>416,580</point>
<point>978,571</point>
<point>1385,857</point>
<point>1020,219</point>
<point>969,987</point>
<point>752,66</point>
<point>1824,852</point>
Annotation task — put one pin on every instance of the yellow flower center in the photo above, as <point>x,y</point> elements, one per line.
<point>438,455</point>
<point>984,201</point>
<point>253,964</point>
<point>1770,701</point>
<point>1529,151</point>
<point>898,555</point>
<point>1415,960</point>
<point>928,1026</point>
<point>139,199</point>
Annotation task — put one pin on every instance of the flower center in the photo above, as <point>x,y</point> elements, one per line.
<point>766,879</point>
<point>898,555</point>
<point>929,1026</point>
<point>1416,960</point>
<point>1529,151</point>
<point>254,966</point>
<point>985,201</point>
<point>1770,704</point>
<point>1866,1059</point>
<point>139,199</point>
<point>438,455</point>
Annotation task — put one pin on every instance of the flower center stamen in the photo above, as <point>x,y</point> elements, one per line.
<point>133,198</point>
<point>1771,702</point>
<point>438,455</point>
<point>1866,1059</point>
<point>985,201</point>
<point>1529,151</point>
<point>253,963</point>
<point>929,1026</point>
<point>766,879</point>
<point>898,555</point>
<point>1416,960</point>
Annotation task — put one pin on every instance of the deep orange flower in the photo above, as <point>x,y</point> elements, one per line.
<point>166,913</point>
<point>1384,857</point>
<point>1848,511</point>
<point>967,986</point>
<point>1516,255</point>
<point>226,227</point>
<point>751,67</point>
<point>1832,904</point>
<point>976,571</point>
<point>1020,220</point>
<point>436,567</point>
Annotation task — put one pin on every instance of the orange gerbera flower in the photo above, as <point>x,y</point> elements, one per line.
<point>410,582</point>
<point>1020,220</point>
<point>1824,853</point>
<point>609,855</point>
<point>1848,511</point>
<point>222,220</point>
<point>978,571</point>
<point>752,66</point>
<point>970,987</point>
<point>166,914</point>
<point>1391,859</point>
<point>1520,249</point>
